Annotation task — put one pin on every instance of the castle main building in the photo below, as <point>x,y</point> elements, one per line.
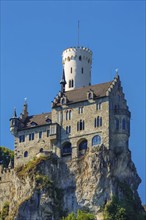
<point>83,115</point>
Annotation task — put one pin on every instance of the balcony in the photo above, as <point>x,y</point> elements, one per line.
<point>54,128</point>
<point>122,112</point>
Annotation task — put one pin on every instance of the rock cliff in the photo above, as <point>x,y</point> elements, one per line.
<point>49,188</point>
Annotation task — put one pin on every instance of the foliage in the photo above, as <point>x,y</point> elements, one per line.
<point>30,166</point>
<point>114,211</point>
<point>81,215</point>
<point>121,210</point>
<point>42,181</point>
<point>5,156</point>
<point>5,211</point>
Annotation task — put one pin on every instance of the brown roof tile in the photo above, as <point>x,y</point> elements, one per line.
<point>38,119</point>
<point>79,95</point>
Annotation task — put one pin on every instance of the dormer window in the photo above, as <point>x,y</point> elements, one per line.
<point>33,124</point>
<point>63,100</point>
<point>90,95</point>
<point>48,120</point>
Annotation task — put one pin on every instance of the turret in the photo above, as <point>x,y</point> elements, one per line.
<point>14,123</point>
<point>63,82</point>
<point>24,113</point>
<point>77,67</point>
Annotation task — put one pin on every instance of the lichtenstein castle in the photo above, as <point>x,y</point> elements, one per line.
<point>83,115</point>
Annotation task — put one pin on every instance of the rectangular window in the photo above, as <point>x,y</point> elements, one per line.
<point>81,110</point>
<point>40,134</point>
<point>31,137</point>
<point>98,106</point>
<point>80,125</point>
<point>53,129</point>
<point>48,133</point>
<point>68,129</point>
<point>21,138</point>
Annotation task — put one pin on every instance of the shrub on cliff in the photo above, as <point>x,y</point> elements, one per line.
<point>5,211</point>
<point>80,216</point>
<point>5,156</point>
<point>121,210</point>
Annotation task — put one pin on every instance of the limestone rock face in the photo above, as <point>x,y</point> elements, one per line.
<point>55,187</point>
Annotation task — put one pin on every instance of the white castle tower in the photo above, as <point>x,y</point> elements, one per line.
<point>77,67</point>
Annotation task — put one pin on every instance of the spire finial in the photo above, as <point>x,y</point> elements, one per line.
<point>78,32</point>
<point>15,114</point>
<point>63,82</point>
<point>25,100</point>
<point>117,71</point>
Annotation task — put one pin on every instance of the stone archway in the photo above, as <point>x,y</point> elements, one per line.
<point>66,149</point>
<point>82,147</point>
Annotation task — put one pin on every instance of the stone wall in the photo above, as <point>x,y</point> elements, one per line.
<point>90,112</point>
<point>6,185</point>
<point>33,147</point>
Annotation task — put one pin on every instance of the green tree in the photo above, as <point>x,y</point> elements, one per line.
<point>71,216</point>
<point>5,156</point>
<point>81,215</point>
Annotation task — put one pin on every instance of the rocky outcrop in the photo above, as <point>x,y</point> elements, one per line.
<point>49,188</point>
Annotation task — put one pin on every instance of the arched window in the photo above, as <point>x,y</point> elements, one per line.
<point>96,140</point>
<point>80,110</point>
<point>63,101</point>
<point>71,69</point>
<point>82,147</point>
<point>82,70</point>
<point>98,106</point>
<point>80,58</point>
<point>100,121</point>
<point>95,123</point>
<point>80,125</point>
<point>70,114</point>
<point>25,154</point>
<point>71,83</point>
<point>68,129</point>
<point>117,124</point>
<point>40,134</point>
<point>66,149</point>
<point>123,124</point>
<point>41,150</point>
<point>90,95</point>
<point>67,115</point>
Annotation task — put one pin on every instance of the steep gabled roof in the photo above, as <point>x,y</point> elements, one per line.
<point>39,120</point>
<point>80,94</point>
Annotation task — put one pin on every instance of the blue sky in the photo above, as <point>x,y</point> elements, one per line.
<point>33,36</point>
